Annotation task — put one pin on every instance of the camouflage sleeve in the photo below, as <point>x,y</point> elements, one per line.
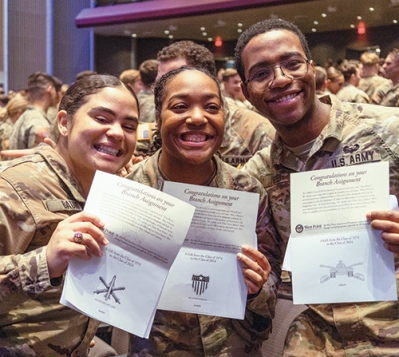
<point>256,166</point>
<point>36,133</point>
<point>23,275</point>
<point>362,98</point>
<point>262,138</point>
<point>380,92</point>
<point>260,309</point>
<point>253,128</point>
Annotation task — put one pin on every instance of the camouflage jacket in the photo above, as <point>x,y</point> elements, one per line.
<point>369,84</point>
<point>147,106</point>
<point>29,129</point>
<point>349,93</point>
<point>238,103</point>
<point>391,97</point>
<point>246,132</point>
<point>5,132</point>
<point>191,335</point>
<point>36,192</point>
<point>355,134</point>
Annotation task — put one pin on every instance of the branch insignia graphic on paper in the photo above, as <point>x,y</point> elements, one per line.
<point>109,289</point>
<point>200,283</point>
<point>341,269</point>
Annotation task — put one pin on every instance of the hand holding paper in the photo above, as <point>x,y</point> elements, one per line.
<point>145,229</point>
<point>388,223</point>
<point>61,246</point>
<point>255,267</point>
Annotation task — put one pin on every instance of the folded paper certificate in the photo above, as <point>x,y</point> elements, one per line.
<point>145,228</point>
<point>206,277</point>
<point>335,255</point>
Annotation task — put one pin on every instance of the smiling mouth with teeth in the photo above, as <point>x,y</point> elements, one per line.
<point>287,97</point>
<point>197,138</point>
<point>108,150</point>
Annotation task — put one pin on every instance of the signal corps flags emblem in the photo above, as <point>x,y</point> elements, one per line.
<point>200,283</point>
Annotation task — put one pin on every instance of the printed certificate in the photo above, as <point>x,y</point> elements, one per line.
<point>335,255</point>
<point>206,277</point>
<point>145,229</point>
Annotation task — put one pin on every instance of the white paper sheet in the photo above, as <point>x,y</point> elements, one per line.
<point>335,256</point>
<point>145,228</point>
<point>206,277</point>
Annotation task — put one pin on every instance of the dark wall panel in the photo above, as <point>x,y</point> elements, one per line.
<point>112,54</point>
<point>26,40</point>
<point>71,46</point>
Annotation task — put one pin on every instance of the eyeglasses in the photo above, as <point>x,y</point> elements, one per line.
<point>293,68</point>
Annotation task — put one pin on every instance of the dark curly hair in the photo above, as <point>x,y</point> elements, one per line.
<point>263,27</point>
<point>159,89</point>
<point>197,56</point>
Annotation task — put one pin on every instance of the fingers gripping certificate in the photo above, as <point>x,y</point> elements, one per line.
<point>145,229</point>
<point>206,277</point>
<point>335,255</point>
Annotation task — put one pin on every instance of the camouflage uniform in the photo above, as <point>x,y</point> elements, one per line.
<point>238,103</point>
<point>5,132</point>
<point>355,134</point>
<point>177,334</point>
<point>27,130</point>
<point>369,84</point>
<point>147,106</point>
<point>245,132</point>
<point>349,93</point>
<point>145,147</point>
<point>391,97</point>
<point>36,192</point>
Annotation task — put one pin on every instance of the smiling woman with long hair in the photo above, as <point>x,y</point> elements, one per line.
<point>41,220</point>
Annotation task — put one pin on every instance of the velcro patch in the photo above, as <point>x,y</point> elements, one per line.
<point>55,205</point>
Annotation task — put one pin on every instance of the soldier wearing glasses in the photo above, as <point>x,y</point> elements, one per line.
<point>278,75</point>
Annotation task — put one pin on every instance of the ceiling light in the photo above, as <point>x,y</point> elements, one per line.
<point>359,17</point>
<point>395,21</point>
<point>170,36</point>
<point>371,9</point>
<point>202,28</point>
<point>204,34</point>
<point>352,26</point>
<point>316,22</point>
<point>210,39</point>
<point>323,15</point>
<point>239,24</point>
<point>166,32</point>
<point>313,29</point>
<point>239,30</point>
<point>378,50</point>
<point>134,35</point>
